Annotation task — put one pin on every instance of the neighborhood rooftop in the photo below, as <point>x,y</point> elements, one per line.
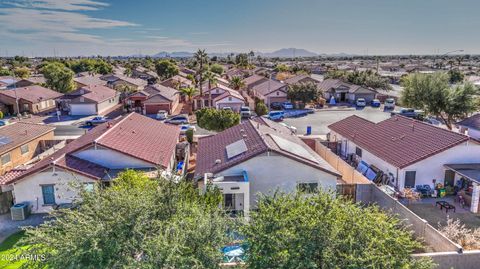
<point>19,133</point>
<point>258,138</point>
<point>398,140</point>
<point>133,135</point>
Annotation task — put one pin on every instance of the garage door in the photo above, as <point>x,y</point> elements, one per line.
<point>83,109</point>
<point>153,109</point>
<point>278,99</point>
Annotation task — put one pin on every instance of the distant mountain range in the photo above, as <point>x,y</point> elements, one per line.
<point>281,53</point>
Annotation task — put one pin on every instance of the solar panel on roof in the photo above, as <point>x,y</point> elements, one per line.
<point>236,148</point>
<point>5,140</point>
<point>293,148</point>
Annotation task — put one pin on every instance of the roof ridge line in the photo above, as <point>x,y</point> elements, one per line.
<point>111,128</point>
<point>257,131</point>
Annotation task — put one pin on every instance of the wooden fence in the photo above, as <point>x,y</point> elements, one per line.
<point>349,174</point>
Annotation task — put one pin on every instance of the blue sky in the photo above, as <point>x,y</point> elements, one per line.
<point>123,27</point>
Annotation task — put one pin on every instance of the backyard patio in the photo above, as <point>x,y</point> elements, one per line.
<point>427,209</point>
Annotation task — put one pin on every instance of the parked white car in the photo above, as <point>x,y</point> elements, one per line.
<point>389,103</point>
<point>185,127</point>
<point>245,112</point>
<point>361,102</point>
<point>161,115</point>
<point>179,119</point>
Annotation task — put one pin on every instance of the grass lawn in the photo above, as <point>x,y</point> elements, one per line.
<point>8,252</point>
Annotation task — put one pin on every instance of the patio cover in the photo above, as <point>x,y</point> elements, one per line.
<point>468,170</point>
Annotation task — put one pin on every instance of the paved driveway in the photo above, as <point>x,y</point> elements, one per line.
<point>9,227</point>
<point>321,119</point>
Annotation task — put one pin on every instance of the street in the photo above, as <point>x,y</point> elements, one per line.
<point>320,120</point>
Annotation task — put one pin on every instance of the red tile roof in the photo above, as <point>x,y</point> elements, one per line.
<point>32,94</point>
<point>96,93</point>
<point>19,133</point>
<point>258,139</point>
<point>269,86</point>
<point>134,135</point>
<point>143,138</point>
<point>399,141</point>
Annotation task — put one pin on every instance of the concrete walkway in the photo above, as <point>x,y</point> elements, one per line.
<point>9,227</point>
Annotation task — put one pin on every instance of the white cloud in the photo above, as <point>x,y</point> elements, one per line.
<point>59,4</point>
<point>39,25</point>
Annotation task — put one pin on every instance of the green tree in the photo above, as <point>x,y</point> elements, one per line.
<point>456,76</point>
<point>282,68</point>
<point>260,108</point>
<point>166,69</point>
<point>200,61</point>
<point>5,72</point>
<point>433,94</point>
<point>92,66</point>
<point>241,60</point>
<point>217,69</point>
<point>137,222</point>
<point>21,72</point>
<point>58,77</point>
<point>303,92</point>
<point>189,92</point>
<point>216,120</point>
<point>211,79</point>
<point>320,231</point>
<point>237,83</point>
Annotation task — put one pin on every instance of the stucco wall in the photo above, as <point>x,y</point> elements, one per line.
<point>426,170</point>
<point>111,159</point>
<point>29,189</point>
<point>16,156</point>
<point>432,168</point>
<point>268,173</point>
<point>101,107</point>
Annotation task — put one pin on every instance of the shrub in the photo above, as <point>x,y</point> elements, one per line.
<point>189,135</point>
<point>260,108</point>
<point>217,120</point>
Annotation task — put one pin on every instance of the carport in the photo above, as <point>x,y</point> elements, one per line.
<point>466,179</point>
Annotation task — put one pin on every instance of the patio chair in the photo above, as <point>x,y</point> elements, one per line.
<point>428,190</point>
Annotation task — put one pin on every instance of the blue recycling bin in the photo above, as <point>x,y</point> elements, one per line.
<point>309,130</point>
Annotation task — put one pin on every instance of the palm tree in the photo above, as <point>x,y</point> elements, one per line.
<point>189,92</point>
<point>201,59</point>
<point>212,81</point>
<point>237,83</point>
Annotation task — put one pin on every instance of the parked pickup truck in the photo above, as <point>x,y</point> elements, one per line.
<point>245,112</point>
<point>409,113</point>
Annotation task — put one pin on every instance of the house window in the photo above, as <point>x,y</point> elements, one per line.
<point>24,149</point>
<point>5,158</point>
<point>410,179</point>
<point>358,151</point>
<point>82,99</point>
<point>217,90</point>
<point>48,192</point>
<point>229,98</point>
<point>307,187</point>
<point>278,93</point>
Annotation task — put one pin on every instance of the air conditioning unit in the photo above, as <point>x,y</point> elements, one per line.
<point>20,211</point>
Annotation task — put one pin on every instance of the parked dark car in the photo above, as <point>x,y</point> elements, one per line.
<point>409,113</point>
<point>276,105</point>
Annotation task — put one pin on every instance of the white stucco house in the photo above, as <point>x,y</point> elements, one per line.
<point>260,157</point>
<point>90,100</point>
<point>130,142</point>
<point>412,152</point>
<point>470,126</point>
